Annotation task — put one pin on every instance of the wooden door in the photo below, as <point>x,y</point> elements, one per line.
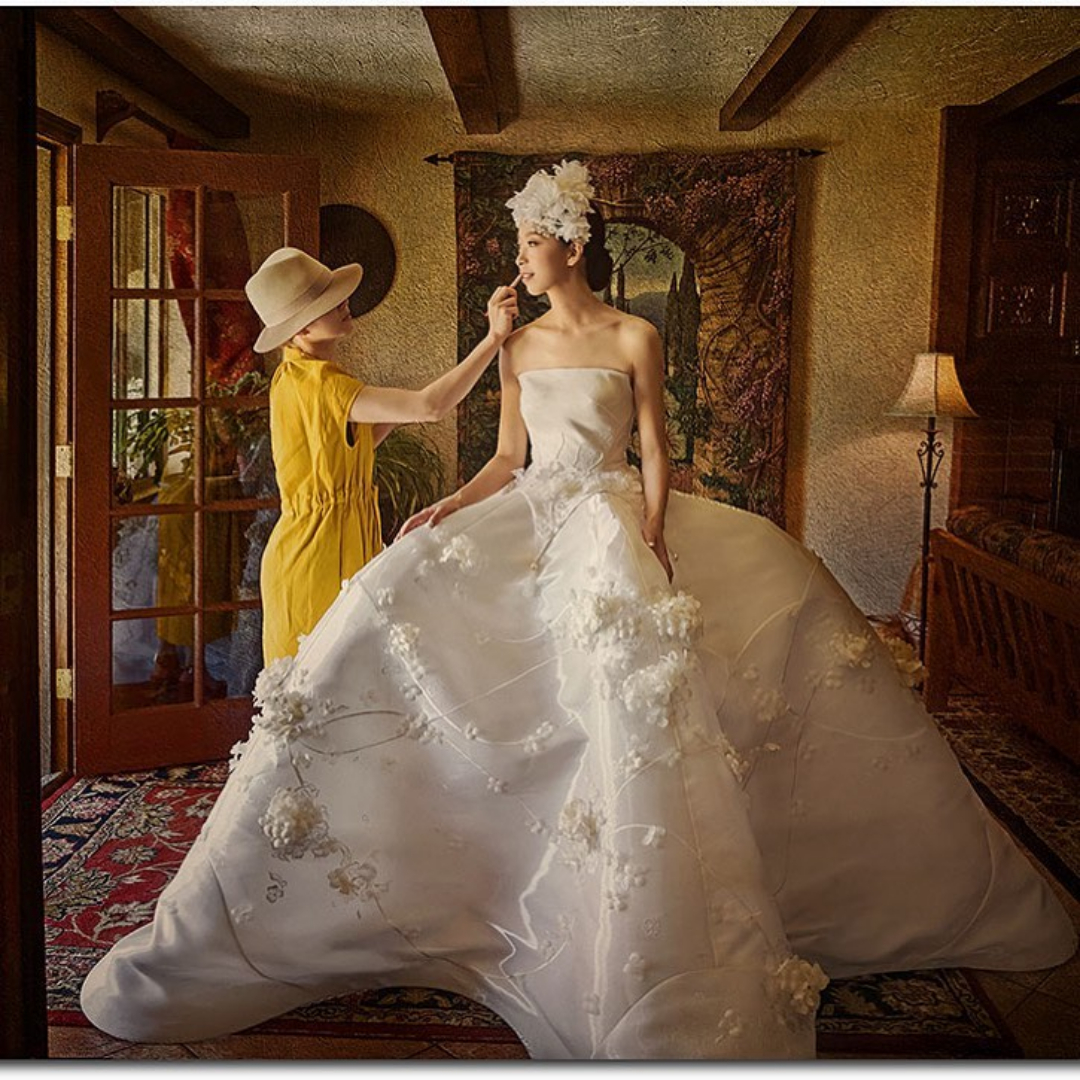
<point>174,487</point>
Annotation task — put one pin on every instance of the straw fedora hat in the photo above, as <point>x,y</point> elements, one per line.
<point>291,290</point>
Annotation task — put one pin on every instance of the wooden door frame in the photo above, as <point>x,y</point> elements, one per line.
<point>63,134</point>
<point>167,734</point>
<point>23,1030</point>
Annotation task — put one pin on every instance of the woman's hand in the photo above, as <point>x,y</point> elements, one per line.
<point>502,310</point>
<point>431,515</point>
<point>653,535</point>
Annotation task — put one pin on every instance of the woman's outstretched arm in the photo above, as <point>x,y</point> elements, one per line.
<point>648,369</point>
<point>387,406</point>
<point>499,470</point>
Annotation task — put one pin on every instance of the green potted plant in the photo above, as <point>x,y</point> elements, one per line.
<point>409,474</point>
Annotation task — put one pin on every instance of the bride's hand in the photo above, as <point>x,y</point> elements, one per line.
<point>654,537</point>
<point>502,310</point>
<point>431,515</point>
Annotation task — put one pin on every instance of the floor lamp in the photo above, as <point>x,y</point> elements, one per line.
<point>933,390</point>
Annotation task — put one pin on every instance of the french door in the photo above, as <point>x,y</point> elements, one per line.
<point>174,489</point>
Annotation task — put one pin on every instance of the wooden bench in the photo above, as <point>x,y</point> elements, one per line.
<point>1005,632</point>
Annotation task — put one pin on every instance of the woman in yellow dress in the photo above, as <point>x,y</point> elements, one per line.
<point>324,427</point>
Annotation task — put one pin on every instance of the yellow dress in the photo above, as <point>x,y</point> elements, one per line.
<point>329,525</point>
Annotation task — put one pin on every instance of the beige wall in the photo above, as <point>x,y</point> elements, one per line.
<point>864,246</point>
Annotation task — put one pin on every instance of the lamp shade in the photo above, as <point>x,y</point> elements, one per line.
<point>933,389</point>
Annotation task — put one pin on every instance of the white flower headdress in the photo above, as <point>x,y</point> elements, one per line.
<point>556,205</point>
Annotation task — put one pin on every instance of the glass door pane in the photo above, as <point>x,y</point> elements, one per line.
<point>175,488</point>
<point>185,585</point>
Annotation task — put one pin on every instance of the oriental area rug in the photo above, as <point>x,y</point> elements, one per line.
<point>112,843</point>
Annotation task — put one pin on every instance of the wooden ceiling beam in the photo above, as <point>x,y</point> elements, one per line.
<point>476,53</point>
<point>105,35</point>
<point>806,44</point>
<point>1052,84</point>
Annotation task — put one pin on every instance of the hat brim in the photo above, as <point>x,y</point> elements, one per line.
<point>343,283</point>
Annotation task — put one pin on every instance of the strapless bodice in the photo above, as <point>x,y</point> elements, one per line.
<point>578,417</point>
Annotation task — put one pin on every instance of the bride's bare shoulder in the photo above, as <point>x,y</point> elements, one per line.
<point>516,348</point>
<point>635,328</point>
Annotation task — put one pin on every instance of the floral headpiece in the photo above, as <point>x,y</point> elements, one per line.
<point>556,205</point>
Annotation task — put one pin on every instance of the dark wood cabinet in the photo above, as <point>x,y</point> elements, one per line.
<point>1025,309</point>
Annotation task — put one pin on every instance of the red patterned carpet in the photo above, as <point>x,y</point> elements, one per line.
<point>112,843</point>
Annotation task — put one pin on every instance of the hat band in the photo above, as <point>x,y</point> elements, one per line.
<point>311,293</point>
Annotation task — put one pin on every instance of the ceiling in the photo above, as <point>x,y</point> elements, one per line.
<point>382,59</point>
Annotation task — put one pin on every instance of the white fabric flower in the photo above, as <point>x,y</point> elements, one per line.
<point>556,204</point>
<point>607,616</point>
<point>634,760</point>
<point>536,742</point>
<point>284,705</point>
<point>421,729</point>
<point>729,1025</point>
<point>771,705</point>
<point>402,639</point>
<point>463,551</point>
<point>908,665</point>
<point>295,824</point>
<point>356,879</point>
<point>678,618</point>
<point>855,650</point>
<point>628,875</point>
<point>616,900</point>
<point>285,715</point>
<point>802,982</point>
<point>659,693</point>
<point>236,754</point>
<point>579,827</point>
<point>272,678</point>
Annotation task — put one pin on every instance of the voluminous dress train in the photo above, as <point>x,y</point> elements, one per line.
<point>636,819</point>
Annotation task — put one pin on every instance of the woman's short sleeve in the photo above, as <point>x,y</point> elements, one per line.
<point>339,392</point>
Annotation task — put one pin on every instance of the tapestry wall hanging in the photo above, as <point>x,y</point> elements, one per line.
<point>702,249</point>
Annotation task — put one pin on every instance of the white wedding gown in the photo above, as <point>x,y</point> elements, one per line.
<point>632,818</point>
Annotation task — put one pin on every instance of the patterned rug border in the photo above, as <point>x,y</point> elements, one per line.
<point>1025,834</point>
<point>994,783</point>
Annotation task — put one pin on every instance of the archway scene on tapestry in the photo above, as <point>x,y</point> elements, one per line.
<point>702,249</point>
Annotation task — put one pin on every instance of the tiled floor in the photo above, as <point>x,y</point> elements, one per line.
<point>1041,1008</point>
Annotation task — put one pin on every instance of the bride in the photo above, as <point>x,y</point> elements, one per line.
<point>632,770</point>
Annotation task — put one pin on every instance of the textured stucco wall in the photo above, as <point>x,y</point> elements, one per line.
<point>864,238</point>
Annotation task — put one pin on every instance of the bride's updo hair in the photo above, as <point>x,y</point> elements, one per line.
<point>598,261</point>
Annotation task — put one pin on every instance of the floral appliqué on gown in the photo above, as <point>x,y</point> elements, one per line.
<point>636,819</point>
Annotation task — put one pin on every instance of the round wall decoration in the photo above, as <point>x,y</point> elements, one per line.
<point>349,234</point>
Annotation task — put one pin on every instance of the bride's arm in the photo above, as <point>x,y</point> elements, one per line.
<point>648,368</point>
<point>499,470</point>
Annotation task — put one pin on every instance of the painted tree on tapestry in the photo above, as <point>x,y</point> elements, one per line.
<point>702,249</point>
